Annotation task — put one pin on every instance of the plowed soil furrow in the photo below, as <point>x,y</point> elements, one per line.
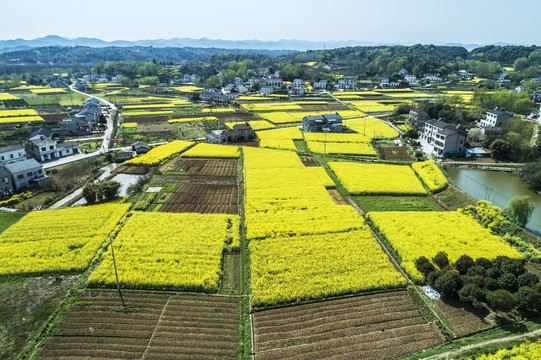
<point>102,332</point>
<point>323,325</point>
<point>365,309</point>
<point>191,356</point>
<point>181,336</point>
<point>200,316</point>
<point>56,341</point>
<point>222,324</point>
<point>390,297</point>
<point>180,343</point>
<point>272,340</point>
<point>119,346</point>
<point>195,349</point>
<point>368,342</point>
<point>105,326</point>
<point>94,353</point>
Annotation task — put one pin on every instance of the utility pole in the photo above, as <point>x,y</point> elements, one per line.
<point>116,273</point>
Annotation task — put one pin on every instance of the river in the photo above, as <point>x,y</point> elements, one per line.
<point>498,188</point>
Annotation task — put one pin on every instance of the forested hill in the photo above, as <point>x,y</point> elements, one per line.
<point>417,59</point>
<point>83,55</point>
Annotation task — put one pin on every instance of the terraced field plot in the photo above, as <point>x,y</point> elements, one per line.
<point>378,326</point>
<point>164,327</point>
<point>209,186</point>
<point>204,199</point>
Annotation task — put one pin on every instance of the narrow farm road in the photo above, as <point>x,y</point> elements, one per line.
<point>473,346</point>
<point>105,146</point>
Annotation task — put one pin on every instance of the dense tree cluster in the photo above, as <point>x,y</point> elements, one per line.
<point>502,284</point>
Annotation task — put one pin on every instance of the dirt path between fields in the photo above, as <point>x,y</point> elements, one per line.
<point>473,346</point>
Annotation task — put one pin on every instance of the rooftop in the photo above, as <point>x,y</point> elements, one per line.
<point>22,166</point>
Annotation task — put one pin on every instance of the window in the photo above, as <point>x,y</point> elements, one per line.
<point>43,149</point>
<point>51,147</point>
<point>11,155</point>
<point>29,174</point>
<point>20,176</point>
<point>3,157</point>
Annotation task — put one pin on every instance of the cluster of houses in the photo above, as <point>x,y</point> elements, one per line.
<point>239,133</point>
<point>449,140</point>
<point>404,76</point>
<point>17,172</point>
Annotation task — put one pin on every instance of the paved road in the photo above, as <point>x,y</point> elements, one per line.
<point>105,146</point>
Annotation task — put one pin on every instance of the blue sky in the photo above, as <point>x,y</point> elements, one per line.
<point>388,21</point>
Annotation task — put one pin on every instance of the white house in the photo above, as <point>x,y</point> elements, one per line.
<point>403,72</point>
<point>384,82</point>
<point>347,84</point>
<point>495,118</point>
<point>274,82</point>
<point>322,84</point>
<point>12,153</point>
<point>266,90</point>
<point>443,136</point>
<point>411,79</point>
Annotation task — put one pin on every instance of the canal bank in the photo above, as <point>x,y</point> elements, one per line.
<point>498,187</point>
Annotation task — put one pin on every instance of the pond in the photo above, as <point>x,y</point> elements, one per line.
<point>498,188</point>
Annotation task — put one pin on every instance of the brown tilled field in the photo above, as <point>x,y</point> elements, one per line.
<point>204,199</point>
<point>465,319</point>
<point>396,153</point>
<point>163,327</point>
<point>203,167</point>
<point>209,186</point>
<point>378,326</point>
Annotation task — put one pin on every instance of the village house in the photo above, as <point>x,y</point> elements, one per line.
<point>213,95</point>
<point>26,174</point>
<point>297,88</point>
<point>417,117</point>
<point>319,123</point>
<point>411,79</point>
<point>140,147</point>
<point>321,84</point>
<point>240,132</point>
<point>495,118</point>
<point>346,84</point>
<point>403,72</point>
<point>445,137</point>
<point>44,148</point>
<point>384,82</point>
<point>6,183</point>
<point>274,82</point>
<point>12,153</point>
<point>215,137</point>
<point>266,90</point>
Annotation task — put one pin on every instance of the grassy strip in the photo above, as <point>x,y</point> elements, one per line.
<point>245,324</point>
<point>9,218</point>
<point>396,203</point>
<point>323,162</point>
<point>301,146</point>
<point>504,331</point>
<point>431,311</point>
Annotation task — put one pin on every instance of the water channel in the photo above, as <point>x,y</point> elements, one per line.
<point>498,188</point>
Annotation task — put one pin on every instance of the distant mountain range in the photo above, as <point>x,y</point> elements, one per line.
<point>301,45</point>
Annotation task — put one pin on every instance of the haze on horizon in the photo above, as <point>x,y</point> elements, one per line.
<point>390,21</point>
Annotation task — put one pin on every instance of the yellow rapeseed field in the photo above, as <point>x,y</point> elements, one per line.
<point>58,240</point>
<point>377,179</point>
<point>169,251</point>
<point>413,234</point>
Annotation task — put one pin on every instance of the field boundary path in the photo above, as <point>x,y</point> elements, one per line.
<point>483,343</point>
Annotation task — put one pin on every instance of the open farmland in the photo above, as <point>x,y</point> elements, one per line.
<point>379,326</point>
<point>293,269</point>
<point>204,199</point>
<point>207,186</point>
<point>162,327</point>
<point>170,251</point>
<point>372,127</point>
<point>377,179</point>
<point>413,235</point>
<point>58,240</point>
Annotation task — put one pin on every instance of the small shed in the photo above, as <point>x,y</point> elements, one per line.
<point>121,156</point>
<point>140,147</point>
